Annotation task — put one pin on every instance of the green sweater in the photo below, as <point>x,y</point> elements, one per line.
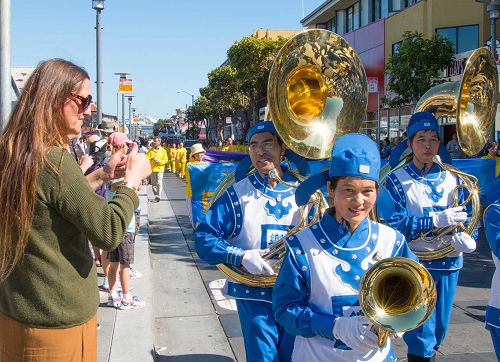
<point>55,283</point>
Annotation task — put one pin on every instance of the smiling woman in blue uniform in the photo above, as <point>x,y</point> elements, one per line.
<point>492,230</point>
<point>316,294</point>
<point>422,194</point>
<point>240,225</point>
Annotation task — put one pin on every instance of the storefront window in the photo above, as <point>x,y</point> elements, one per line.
<point>464,38</point>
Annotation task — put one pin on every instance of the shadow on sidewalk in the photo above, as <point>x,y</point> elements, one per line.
<point>478,266</point>
<point>194,358</point>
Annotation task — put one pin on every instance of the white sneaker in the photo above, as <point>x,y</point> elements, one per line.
<point>134,303</point>
<point>114,302</point>
<point>134,274</point>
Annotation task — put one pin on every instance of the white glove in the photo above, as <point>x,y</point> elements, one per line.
<point>252,261</point>
<point>449,217</point>
<point>463,243</point>
<point>356,333</point>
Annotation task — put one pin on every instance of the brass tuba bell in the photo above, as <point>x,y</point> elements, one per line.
<point>397,295</point>
<point>472,101</point>
<point>317,90</point>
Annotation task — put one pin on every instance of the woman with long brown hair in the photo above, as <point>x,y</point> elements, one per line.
<point>48,294</point>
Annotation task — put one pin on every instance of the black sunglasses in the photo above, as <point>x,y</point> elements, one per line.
<point>84,101</point>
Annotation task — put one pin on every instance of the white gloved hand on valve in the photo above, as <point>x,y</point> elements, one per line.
<point>462,242</point>
<point>449,217</point>
<point>252,261</point>
<point>355,332</point>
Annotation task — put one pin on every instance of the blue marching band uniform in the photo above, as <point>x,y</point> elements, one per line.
<point>313,312</point>
<point>251,215</point>
<point>491,220</point>
<point>319,280</point>
<point>418,200</point>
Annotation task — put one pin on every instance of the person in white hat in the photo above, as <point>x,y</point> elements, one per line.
<point>197,153</point>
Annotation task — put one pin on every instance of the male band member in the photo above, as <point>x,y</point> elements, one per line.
<point>158,157</point>
<point>316,294</point>
<point>491,220</point>
<point>422,193</point>
<point>251,215</point>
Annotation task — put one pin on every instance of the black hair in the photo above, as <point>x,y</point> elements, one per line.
<point>425,130</point>
<point>335,180</point>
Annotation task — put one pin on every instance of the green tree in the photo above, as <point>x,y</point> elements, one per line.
<point>415,67</point>
<point>223,95</point>
<point>252,59</point>
<point>198,114</point>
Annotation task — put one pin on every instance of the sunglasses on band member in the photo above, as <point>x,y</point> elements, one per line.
<point>84,101</point>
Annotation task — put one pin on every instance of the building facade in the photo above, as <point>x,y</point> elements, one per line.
<point>375,29</point>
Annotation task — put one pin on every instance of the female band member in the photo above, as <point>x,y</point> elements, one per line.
<point>315,296</point>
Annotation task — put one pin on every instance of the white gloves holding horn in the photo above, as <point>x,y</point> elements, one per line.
<point>449,217</point>
<point>356,333</point>
<point>252,261</point>
<point>462,242</point>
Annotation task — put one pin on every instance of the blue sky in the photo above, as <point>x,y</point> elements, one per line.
<point>167,45</point>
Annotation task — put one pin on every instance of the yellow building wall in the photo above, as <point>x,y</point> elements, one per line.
<point>428,15</point>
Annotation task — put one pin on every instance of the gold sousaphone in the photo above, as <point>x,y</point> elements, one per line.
<point>317,91</point>
<point>472,101</point>
<point>396,295</point>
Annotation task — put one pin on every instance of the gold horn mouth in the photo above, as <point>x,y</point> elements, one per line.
<point>317,91</point>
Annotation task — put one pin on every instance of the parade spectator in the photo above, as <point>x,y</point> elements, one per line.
<point>492,149</point>
<point>48,298</point>
<point>120,260</point>
<point>453,147</point>
<point>385,148</point>
<point>238,228</point>
<point>157,156</point>
<point>315,297</point>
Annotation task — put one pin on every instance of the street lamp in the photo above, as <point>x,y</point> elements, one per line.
<point>192,96</point>
<point>98,6</point>
<point>130,114</point>
<point>493,10</point>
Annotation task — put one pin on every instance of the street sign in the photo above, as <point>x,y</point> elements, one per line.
<point>125,85</point>
<point>372,84</point>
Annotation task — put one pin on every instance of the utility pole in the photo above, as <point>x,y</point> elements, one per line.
<point>5,74</point>
<point>98,6</point>
<point>123,76</point>
<point>130,115</point>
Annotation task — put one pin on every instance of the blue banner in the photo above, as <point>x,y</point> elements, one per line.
<point>482,168</point>
<point>204,178</point>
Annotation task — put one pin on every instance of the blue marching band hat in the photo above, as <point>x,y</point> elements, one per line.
<point>420,121</point>
<point>354,154</point>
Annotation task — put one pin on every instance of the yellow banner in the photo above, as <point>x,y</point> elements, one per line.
<point>125,85</point>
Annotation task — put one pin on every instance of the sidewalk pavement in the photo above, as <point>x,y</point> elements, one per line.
<point>127,335</point>
<point>194,322</point>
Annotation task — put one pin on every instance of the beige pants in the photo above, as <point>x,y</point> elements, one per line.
<point>19,342</point>
<point>157,183</point>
